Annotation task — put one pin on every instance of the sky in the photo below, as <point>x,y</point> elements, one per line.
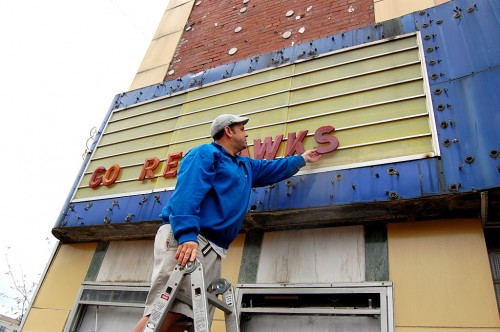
<point>61,64</point>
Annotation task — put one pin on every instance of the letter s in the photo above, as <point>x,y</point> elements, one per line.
<point>321,137</point>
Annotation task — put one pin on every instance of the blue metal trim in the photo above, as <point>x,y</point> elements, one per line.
<point>368,184</point>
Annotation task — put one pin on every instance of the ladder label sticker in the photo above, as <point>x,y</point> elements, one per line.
<point>229,298</point>
<point>155,316</point>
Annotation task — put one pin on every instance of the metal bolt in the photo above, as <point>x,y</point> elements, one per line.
<point>392,171</point>
<point>393,195</point>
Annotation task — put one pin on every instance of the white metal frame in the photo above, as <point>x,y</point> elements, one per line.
<point>384,289</point>
<point>79,305</point>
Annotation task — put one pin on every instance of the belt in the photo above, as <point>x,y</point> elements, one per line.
<point>207,248</point>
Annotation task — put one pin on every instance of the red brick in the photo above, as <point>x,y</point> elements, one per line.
<point>207,45</point>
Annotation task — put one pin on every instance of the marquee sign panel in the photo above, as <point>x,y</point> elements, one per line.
<point>372,97</point>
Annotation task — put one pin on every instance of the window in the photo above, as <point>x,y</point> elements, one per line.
<point>289,308</point>
<point>107,308</point>
<point>495,271</point>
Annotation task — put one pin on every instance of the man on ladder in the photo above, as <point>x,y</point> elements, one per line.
<point>207,209</point>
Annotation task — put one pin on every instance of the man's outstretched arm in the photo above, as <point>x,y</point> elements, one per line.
<point>311,156</point>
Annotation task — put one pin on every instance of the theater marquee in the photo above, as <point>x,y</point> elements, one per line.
<point>360,106</point>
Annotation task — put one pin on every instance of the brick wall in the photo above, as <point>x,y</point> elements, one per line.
<point>210,32</point>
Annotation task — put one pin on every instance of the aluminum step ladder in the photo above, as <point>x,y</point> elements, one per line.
<point>200,297</point>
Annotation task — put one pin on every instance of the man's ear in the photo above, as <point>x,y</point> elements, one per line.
<point>228,131</point>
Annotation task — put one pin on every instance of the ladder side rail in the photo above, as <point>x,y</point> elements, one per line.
<point>163,303</point>
<point>231,318</point>
<point>200,302</point>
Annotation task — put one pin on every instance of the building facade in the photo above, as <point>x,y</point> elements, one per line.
<point>8,324</point>
<point>395,229</point>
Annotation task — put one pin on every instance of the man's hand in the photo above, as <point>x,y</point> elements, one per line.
<point>186,252</point>
<point>311,156</point>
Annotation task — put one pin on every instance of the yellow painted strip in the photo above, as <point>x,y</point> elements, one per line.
<point>356,54</point>
<point>163,115</point>
<point>380,151</point>
<point>357,68</point>
<point>137,132</point>
<point>146,108</point>
<point>356,83</point>
<point>133,145</point>
<point>241,83</point>
<point>234,97</point>
<point>362,98</point>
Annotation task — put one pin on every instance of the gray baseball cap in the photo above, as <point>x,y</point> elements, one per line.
<point>225,120</point>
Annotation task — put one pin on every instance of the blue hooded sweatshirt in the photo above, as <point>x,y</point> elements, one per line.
<point>213,189</point>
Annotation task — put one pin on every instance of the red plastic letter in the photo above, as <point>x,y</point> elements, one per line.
<point>294,144</point>
<point>148,168</point>
<point>96,178</point>
<point>320,137</point>
<point>172,161</point>
<point>269,148</point>
<point>111,175</point>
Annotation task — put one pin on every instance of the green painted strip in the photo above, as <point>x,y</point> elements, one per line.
<point>95,264</point>
<point>250,258</point>
<point>376,254</point>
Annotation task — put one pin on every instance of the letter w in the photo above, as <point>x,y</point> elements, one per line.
<point>269,148</point>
